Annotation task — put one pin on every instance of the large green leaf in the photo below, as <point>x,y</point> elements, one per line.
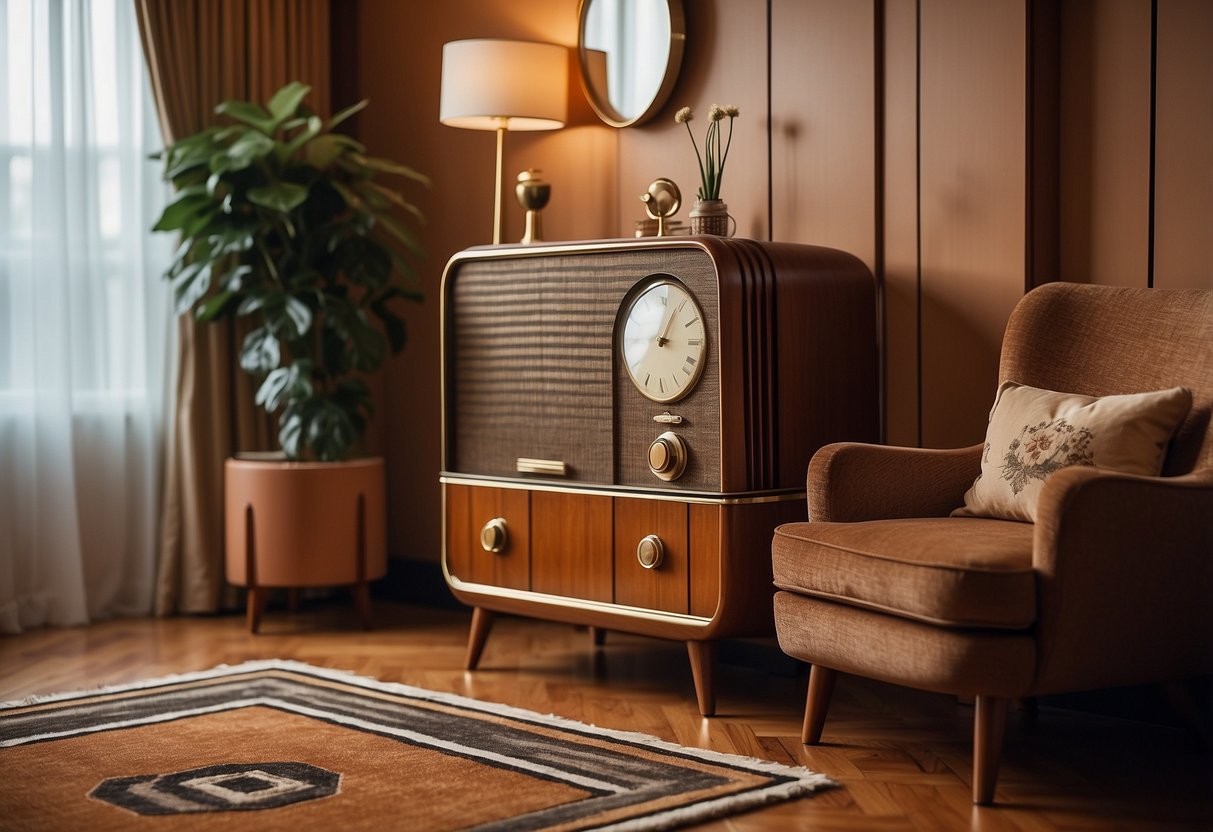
<point>249,113</point>
<point>283,104</point>
<point>309,132</point>
<point>300,316</point>
<point>327,426</point>
<point>261,352</point>
<point>274,389</point>
<point>190,286</point>
<point>232,241</point>
<point>393,196</point>
<point>248,149</point>
<point>345,114</point>
<point>285,383</point>
<point>323,150</point>
<point>401,233</point>
<point>384,166</point>
<point>215,306</point>
<point>178,214</point>
<point>234,280</point>
<point>331,431</point>
<point>283,197</point>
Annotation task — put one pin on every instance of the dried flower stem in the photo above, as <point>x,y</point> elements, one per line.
<point>711,162</point>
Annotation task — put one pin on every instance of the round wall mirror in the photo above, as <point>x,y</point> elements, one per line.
<point>630,52</point>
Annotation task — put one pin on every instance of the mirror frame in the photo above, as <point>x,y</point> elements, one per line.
<point>602,105</point>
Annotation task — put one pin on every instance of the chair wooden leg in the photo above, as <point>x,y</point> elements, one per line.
<point>597,636</point>
<point>482,623</point>
<point>817,703</point>
<point>255,606</point>
<point>362,600</point>
<point>988,726</point>
<point>703,665</point>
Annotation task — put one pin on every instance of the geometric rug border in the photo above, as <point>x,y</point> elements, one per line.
<point>801,781</point>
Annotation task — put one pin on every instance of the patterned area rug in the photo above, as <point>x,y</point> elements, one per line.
<point>284,745</point>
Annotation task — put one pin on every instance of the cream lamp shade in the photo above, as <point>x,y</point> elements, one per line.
<point>503,85</point>
<point>485,81</point>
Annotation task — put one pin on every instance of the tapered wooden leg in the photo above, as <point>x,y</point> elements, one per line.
<point>255,600</point>
<point>703,666</point>
<point>362,600</point>
<point>597,636</point>
<point>255,606</point>
<point>362,588</point>
<point>988,726</point>
<point>482,622</point>
<point>817,703</point>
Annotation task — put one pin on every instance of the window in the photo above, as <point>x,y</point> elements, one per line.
<point>84,314</point>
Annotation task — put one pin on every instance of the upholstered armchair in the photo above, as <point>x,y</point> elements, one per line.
<point>1110,584</point>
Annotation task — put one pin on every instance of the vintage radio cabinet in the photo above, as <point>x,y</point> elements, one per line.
<point>625,423</point>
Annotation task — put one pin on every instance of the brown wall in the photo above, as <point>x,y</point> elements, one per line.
<point>966,151</point>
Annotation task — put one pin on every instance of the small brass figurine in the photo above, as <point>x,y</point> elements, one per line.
<point>533,194</point>
<point>662,201</point>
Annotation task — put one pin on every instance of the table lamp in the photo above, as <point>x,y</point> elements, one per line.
<point>503,85</point>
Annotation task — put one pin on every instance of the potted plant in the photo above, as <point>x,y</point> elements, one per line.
<point>710,214</point>
<point>287,223</point>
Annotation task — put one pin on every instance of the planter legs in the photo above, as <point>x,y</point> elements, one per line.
<point>258,595</point>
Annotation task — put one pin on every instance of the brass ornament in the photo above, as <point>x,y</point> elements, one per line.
<point>533,195</point>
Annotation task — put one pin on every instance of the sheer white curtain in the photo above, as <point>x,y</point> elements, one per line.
<point>84,315</point>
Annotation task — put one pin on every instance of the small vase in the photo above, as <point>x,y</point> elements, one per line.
<point>711,216</point>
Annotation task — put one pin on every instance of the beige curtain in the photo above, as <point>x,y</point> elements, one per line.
<point>200,53</point>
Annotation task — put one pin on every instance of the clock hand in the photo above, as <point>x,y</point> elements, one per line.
<point>662,340</point>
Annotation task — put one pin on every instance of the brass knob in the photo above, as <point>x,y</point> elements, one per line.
<point>494,536</point>
<point>650,551</point>
<point>668,456</point>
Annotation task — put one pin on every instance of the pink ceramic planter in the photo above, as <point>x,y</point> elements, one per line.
<point>304,524</point>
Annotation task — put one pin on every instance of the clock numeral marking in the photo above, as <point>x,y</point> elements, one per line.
<point>646,379</point>
<point>694,342</point>
<point>688,323</point>
<point>676,382</point>
<point>661,384</point>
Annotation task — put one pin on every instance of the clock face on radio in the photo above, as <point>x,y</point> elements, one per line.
<point>663,341</point>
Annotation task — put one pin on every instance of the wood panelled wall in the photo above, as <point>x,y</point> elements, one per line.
<point>965,150</point>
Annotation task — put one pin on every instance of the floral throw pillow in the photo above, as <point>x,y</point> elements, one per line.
<point>1033,433</point>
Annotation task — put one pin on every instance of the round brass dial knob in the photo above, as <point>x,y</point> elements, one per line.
<point>668,456</point>
<point>494,535</point>
<point>650,551</point>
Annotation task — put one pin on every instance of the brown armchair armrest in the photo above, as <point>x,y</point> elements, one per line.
<point>849,481</point>
<point>1124,578</point>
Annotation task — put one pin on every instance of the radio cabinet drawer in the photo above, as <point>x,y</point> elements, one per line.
<point>586,546</point>
<point>571,545</point>
<point>489,535</point>
<point>652,555</point>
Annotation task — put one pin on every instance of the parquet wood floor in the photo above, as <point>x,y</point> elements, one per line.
<point>902,756</point>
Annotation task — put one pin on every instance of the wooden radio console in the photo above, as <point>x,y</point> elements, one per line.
<point>626,422</point>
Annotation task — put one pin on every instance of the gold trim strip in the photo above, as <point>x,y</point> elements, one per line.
<point>575,603</point>
<point>636,493</point>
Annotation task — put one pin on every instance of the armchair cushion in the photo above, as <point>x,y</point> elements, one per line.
<point>1034,433</point>
<point>957,572</point>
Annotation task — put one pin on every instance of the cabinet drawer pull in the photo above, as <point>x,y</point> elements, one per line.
<point>495,535</point>
<point>549,467</point>
<point>650,551</point>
